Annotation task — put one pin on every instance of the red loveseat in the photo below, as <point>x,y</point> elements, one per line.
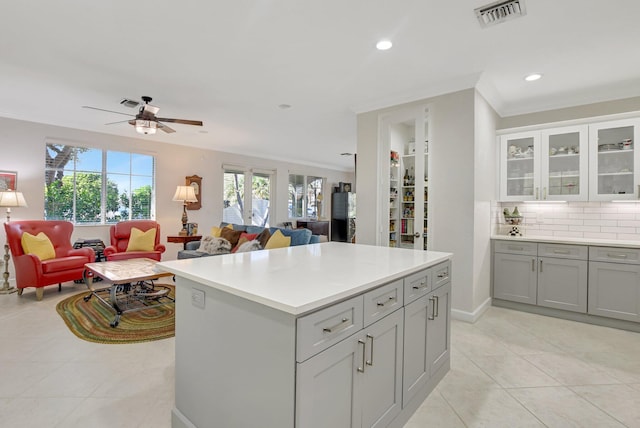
<point>119,236</point>
<point>68,265</point>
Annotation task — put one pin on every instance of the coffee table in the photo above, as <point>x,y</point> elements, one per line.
<point>132,285</point>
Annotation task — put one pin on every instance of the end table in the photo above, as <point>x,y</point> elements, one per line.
<point>183,239</point>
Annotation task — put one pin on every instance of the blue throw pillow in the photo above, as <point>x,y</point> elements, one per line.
<point>298,236</point>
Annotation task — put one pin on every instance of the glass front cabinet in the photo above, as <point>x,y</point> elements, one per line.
<point>614,160</point>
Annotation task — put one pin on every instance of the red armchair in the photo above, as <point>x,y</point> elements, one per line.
<point>68,264</point>
<point>119,235</point>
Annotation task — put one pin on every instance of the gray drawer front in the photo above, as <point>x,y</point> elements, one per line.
<point>524,248</point>
<point>382,301</point>
<point>563,251</point>
<point>319,330</point>
<point>441,274</point>
<point>417,285</point>
<point>614,255</point>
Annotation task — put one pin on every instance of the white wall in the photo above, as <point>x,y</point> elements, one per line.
<point>23,150</point>
<point>452,186</point>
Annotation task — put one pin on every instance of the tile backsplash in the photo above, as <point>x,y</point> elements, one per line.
<point>596,220</point>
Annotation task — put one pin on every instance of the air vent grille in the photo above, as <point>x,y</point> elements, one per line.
<point>129,103</point>
<point>500,11</point>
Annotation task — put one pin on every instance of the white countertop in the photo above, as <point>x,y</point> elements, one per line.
<point>306,277</point>
<point>567,240</point>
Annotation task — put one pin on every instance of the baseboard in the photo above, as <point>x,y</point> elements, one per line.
<point>471,317</point>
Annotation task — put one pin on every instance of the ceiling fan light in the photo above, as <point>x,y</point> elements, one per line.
<point>146,127</point>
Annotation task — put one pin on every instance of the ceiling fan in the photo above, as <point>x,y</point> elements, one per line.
<point>146,122</point>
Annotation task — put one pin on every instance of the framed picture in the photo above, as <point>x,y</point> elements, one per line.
<point>195,182</point>
<point>8,180</point>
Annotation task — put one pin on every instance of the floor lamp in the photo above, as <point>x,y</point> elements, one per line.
<point>184,194</point>
<point>9,199</point>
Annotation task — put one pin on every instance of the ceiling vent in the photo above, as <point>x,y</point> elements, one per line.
<point>129,103</point>
<point>500,11</point>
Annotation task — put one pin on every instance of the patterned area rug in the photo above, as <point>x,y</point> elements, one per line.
<point>91,321</point>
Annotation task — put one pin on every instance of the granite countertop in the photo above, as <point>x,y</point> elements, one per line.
<point>300,279</point>
<point>569,240</point>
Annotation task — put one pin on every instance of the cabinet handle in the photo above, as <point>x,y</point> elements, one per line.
<point>433,309</point>
<point>437,306</point>
<point>515,248</point>
<point>443,275</point>
<point>541,266</point>
<point>544,193</point>
<point>617,256</point>
<point>390,299</point>
<point>364,346</point>
<point>561,251</point>
<point>537,194</point>
<point>422,285</point>
<point>370,362</point>
<point>338,327</point>
<point>638,191</point>
<point>533,265</point>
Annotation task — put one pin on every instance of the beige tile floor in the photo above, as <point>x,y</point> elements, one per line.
<point>510,369</point>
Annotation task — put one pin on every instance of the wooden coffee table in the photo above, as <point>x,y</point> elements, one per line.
<point>132,285</point>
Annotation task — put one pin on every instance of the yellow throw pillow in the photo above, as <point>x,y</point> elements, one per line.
<point>278,240</point>
<point>216,231</point>
<point>142,241</point>
<point>39,245</point>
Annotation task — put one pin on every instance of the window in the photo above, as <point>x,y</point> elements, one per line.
<point>95,186</point>
<point>252,208</point>
<point>305,196</point>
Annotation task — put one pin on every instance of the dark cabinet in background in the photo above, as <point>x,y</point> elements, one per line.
<point>343,216</point>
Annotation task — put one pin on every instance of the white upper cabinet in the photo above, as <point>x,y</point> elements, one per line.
<point>565,164</point>
<point>520,166</point>
<point>614,160</point>
<point>589,162</point>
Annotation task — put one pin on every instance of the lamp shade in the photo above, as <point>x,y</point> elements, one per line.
<point>185,194</point>
<point>146,126</point>
<point>12,199</point>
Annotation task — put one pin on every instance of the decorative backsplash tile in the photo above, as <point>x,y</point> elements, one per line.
<point>598,220</point>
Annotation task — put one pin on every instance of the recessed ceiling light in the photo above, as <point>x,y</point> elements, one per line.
<point>383,45</point>
<point>284,106</point>
<point>533,77</point>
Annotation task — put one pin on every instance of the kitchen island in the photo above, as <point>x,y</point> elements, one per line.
<point>319,335</point>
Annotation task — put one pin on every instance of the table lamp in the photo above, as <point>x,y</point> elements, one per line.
<point>9,199</point>
<point>184,194</point>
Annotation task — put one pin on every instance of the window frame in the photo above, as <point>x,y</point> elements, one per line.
<point>72,169</point>
<point>247,196</point>
<point>308,179</point>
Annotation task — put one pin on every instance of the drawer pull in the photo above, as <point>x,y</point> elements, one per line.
<point>515,248</point>
<point>338,327</point>
<point>443,275</point>
<point>617,256</point>
<point>422,285</point>
<point>561,252</point>
<point>391,299</point>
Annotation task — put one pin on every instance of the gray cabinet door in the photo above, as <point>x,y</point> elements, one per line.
<point>327,387</point>
<point>614,290</point>
<point>562,284</point>
<point>415,371</point>
<point>382,377</point>
<point>515,277</point>
<point>438,333</point>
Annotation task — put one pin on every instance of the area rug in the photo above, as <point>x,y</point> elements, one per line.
<point>91,321</point>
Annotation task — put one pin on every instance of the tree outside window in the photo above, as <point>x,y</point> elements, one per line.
<point>93,186</point>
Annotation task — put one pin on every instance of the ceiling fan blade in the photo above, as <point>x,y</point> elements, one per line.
<point>182,121</point>
<point>109,111</point>
<point>120,121</point>
<point>165,128</point>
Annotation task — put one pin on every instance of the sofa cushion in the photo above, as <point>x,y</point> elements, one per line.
<point>263,237</point>
<point>298,236</point>
<point>141,241</point>
<point>191,254</point>
<point>63,263</point>
<point>235,226</point>
<point>278,240</point>
<point>231,235</point>
<point>39,245</point>
<point>244,237</point>
<point>216,231</point>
